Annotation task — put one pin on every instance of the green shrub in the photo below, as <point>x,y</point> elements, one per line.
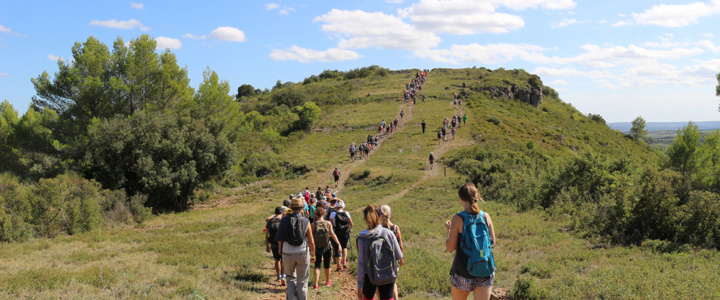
<point>494,120</point>
<point>66,203</point>
<point>530,145</point>
<point>527,289</point>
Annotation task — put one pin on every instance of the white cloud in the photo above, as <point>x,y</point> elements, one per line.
<point>167,43</point>
<point>708,35</point>
<point>137,5</point>
<point>53,57</point>
<point>472,16</point>
<point>565,22</point>
<point>460,17</point>
<point>305,55</point>
<point>4,75</point>
<point>568,72</point>
<point>394,1</point>
<point>285,11</point>
<point>621,23</point>
<point>129,24</point>
<point>191,36</point>
<point>271,6</point>
<point>708,44</point>
<point>9,31</point>
<point>680,15</point>
<point>558,82</point>
<point>231,34</point>
<point>358,29</point>
<point>487,54</point>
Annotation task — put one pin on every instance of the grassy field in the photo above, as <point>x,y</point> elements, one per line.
<point>219,252</point>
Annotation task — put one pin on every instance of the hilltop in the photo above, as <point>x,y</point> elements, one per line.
<point>550,175</point>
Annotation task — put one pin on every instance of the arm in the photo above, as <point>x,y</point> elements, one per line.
<point>453,228</point>
<point>400,238</point>
<point>491,228</point>
<point>351,222</point>
<point>310,240</point>
<point>397,248</point>
<point>267,241</point>
<point>360,265</point>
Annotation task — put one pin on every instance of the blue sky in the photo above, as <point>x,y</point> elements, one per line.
<point>621,59</point>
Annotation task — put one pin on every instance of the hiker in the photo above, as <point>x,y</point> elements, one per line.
<point>336,176</point>
<point>444,132</point>
<point>439,137</point>
<point>423,125</point>
<point>395,122</point>
<point>382,124</point>
<point>306,195</point>
<point>323,233</point>
<point>385,213</point>
<point>295,237</point>
<point>460,102</point>
<point>453,122</point>
<point>375,141</point>
<point>271,245</point>
<point>431,159</point>
<point>343,223</point>
<point>319,193</point>
<point>377,263</point>
<point>328,190</point>
<point>464,85</point>
<point>453,132</point>
<point>472,246</point>
<point>402,114</point>
<point>464,119</point>
<point>353,151</point>
<point>312,208</point>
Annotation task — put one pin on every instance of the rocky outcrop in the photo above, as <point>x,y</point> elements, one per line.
<point>529,95</point>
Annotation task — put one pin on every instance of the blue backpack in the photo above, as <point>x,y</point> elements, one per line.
<point>475,243</point>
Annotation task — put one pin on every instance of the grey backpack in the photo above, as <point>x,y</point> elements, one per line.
<point>380,261</point>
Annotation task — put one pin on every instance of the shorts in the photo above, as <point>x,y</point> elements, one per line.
<point>323,256</point>
<point>336,246</point>
<point>343,238</point>
<point>276,253</point>
<point>385,291</point>
<point>469,284</point>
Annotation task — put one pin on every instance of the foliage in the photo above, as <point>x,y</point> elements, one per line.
<point>638,132</point>
<point>244,91</point>
<point>289,97</point>
<point>682,152</point>
<point>163,156</point>
<point>308,113</point>
<point>597,118</point>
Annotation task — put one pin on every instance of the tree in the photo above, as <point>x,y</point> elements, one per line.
<point>289,96</point>
<point>163,156</point>
<point>309,114</point>
<point>682,152</point>
<point>244,91</point>
<point>214,106</point>
<point>638,132</point>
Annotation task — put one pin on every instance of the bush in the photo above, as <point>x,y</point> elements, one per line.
<point>494,120</point>
<point>525,288</point>
<point>66,203</point>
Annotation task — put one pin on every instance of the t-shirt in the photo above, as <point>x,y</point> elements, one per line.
<point>311,211</point>
<point>332,215</point>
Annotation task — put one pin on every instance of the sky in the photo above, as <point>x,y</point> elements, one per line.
<point>619,59</point>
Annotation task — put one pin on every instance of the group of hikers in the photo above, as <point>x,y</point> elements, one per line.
<point>314,228</point>
<point>413,88</point>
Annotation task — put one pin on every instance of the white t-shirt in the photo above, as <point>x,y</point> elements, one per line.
<point>332,215</point>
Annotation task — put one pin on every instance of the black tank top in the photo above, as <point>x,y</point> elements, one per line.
<point>460,262</point>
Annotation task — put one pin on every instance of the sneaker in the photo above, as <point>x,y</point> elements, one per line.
<point>315,287</point>
<point>329,283</point>
<point>339,268</point>
<point>278,278</point>
<point>283,276</point>
<point>282,281</point>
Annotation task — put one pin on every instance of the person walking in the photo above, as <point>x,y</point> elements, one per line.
<point>464,120</point>
<point>439,137</point>
<point>323,233</point>
<point>336,176</point>
<point>431,159</point>
<point>423,124</point>
<point>343,223</point>
<point>453,132</point>
<point>463,283</point>
<point>385,213</point>
<point>296,243</point>
<point>271,229</point>
<point>374,233</point>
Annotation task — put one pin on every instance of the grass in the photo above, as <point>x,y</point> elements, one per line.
<point>219,253</point>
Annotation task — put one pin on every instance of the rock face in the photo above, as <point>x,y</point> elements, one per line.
<point>529,95</point>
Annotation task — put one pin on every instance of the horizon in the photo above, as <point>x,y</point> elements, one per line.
<point>655,59</point>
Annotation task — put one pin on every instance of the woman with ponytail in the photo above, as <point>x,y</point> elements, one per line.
<point>375,231</point>
<point>462,282</point>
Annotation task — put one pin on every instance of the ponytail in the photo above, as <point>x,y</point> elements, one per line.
<point>372,216</point>
<point>469,193</point>
<point>319,213</point>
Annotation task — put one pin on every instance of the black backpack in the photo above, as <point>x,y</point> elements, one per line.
<point>296,236</point>
<point>342,222</point>
<point>272,228</point>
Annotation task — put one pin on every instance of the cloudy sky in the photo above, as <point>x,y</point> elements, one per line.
<point>621,59</point>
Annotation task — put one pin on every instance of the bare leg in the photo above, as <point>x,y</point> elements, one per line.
<point>482,293</point>
<point>458,294</point>
<point>316,276</point>
<point>344,258</point>
<point>327,276</point>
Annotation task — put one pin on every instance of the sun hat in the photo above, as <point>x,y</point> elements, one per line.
<point>340,204</point>
<point>297,203</point>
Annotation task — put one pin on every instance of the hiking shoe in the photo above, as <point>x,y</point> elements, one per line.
<point>315,287</point>
<point>282,281</point>
<point>339,268</point>
<point>278,278</point>
<point>329,283</point>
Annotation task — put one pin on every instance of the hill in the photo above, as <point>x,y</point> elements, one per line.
<point>551,178</point>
